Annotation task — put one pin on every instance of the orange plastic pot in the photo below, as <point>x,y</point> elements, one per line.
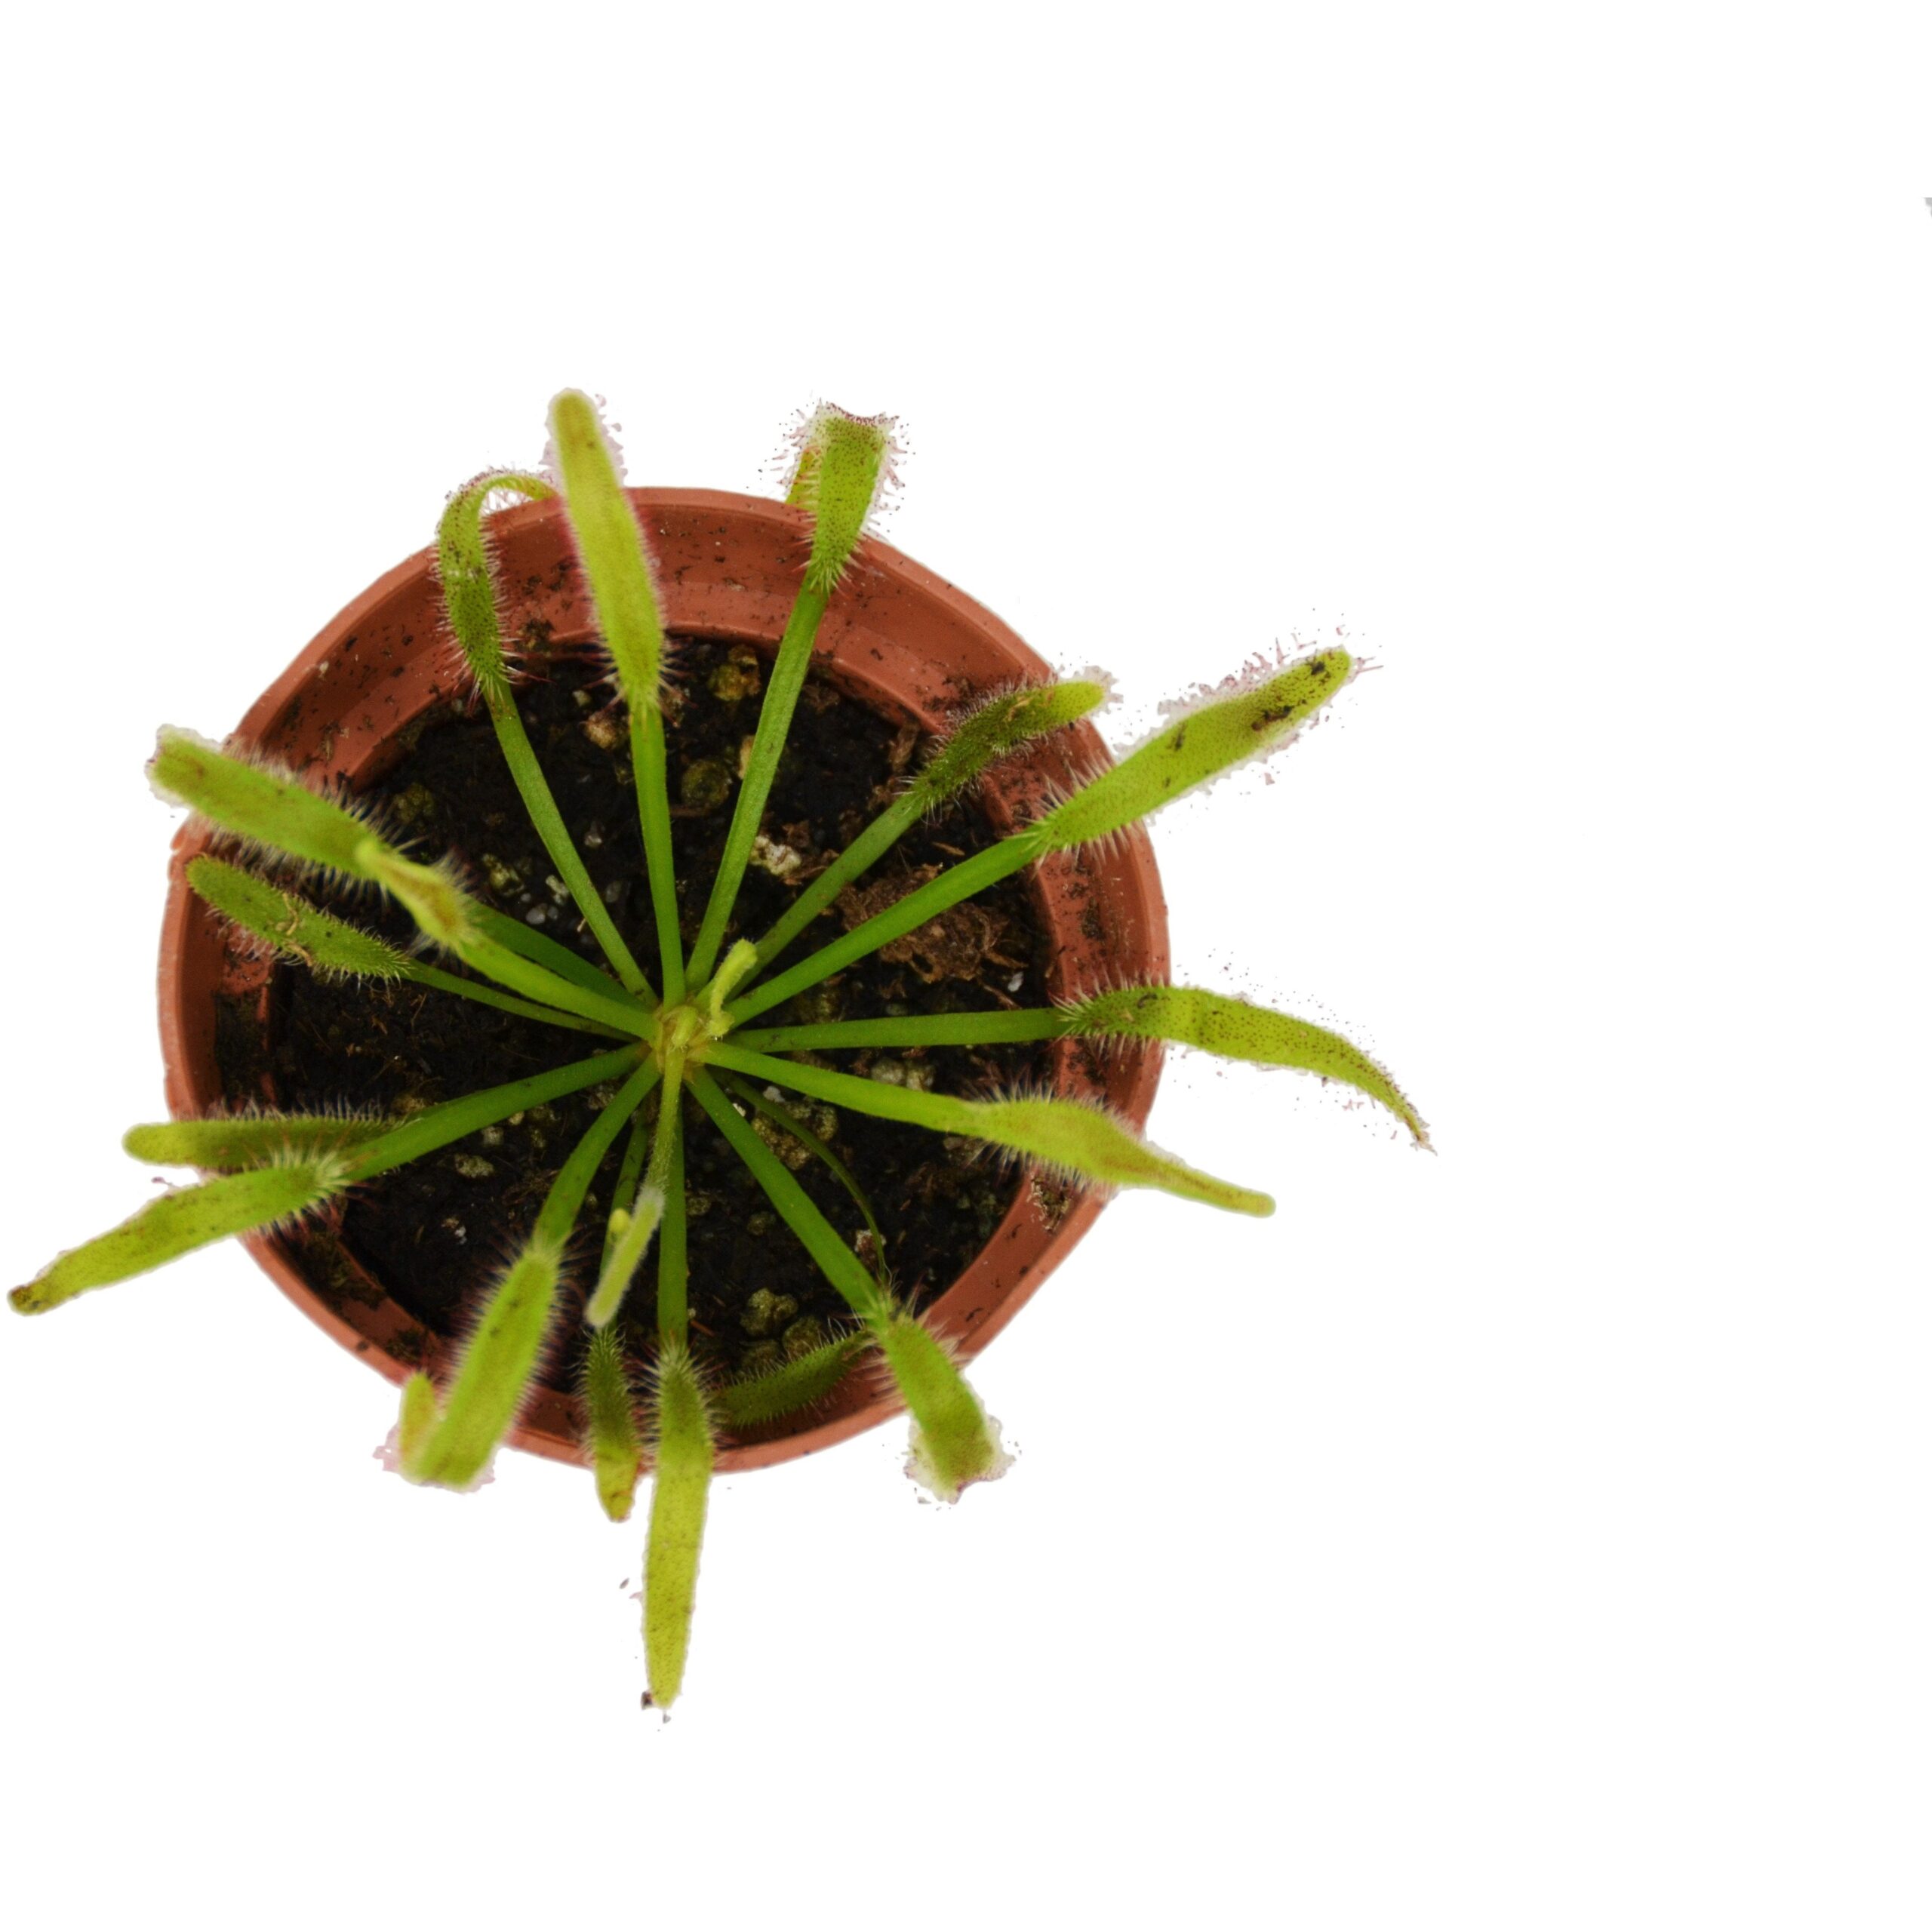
<point>897,637</point>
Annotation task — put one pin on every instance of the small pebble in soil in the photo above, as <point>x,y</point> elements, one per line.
<point>765,1312</point>
<point>706,785</point>
<point>780,860</point>
<point>738,677</point>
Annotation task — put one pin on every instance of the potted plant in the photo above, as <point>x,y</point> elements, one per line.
<point>693,1005</point>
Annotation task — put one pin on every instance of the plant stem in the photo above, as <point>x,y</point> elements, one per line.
<point>521,756</point>
<point>448,982</point>
<point>539,948</point>
<point>673,1262</point>
<point>469,598</point>
<point>929,1029</point>
<point>437,1126</point>
<point>755,1096</point>
<point>1085,1143</point>
<point>936,896</point>
<point>628,1170</point>
<point>836,1261</point>
<point>654,804</point>
<point>774,722</point>
<point>871,845</point>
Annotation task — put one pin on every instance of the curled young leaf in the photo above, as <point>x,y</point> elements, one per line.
<point>462,563</point>
<point>632,1228</point>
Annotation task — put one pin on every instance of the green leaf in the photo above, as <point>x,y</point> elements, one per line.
<point>999,727</point>
<point>616,1451</point>
<point>500,1359</point>
<point>493,1379</point>
<point>245,794</point>
<point>470,597</point>
<point>842,461</point>
<point>1080,1143</point>
<point>190,1218</point>
<point>469,586</point>
<point>617,562</point>
<point>796,1385</point>
<point>1237,1031</point>
<point>249,1140</point>
<point>1211,739</point>
<point>748,1091</point>
<point>685,1453</point>
<point>616,559</point>
<point>454,1119</point>
<point>631,1229</point>
<point>836,1261</point>
<point>954,1443</point>
<point>291,926</point>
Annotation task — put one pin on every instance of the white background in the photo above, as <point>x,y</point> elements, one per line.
<point>1532,1536</point>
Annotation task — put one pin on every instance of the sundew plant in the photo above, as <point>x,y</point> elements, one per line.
<point>679,1046</point>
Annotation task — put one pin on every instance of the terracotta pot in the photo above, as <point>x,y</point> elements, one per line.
<point>897,637</point>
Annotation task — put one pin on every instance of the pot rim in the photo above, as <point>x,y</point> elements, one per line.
<point>703,596</point>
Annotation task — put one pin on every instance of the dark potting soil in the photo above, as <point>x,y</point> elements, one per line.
<point>434,1232</point>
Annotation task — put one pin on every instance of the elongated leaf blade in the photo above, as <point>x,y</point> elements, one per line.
<point>1236,1030</point>
<point>842,460</point>
<point>685,1453</point>
<point>1084,1145</point>
<point>1000,726</point>
<point>794,1386</point>
<point>251,1140</point>
<point>177,1223</point>
<point>1211,739</point>
<point>616,1450</point>
<point>462,563</point>
<point>294,927</point>
<point>954,1443</point>
<point>616,558</point>
<point>246,796</point>
<point>494,1375</point>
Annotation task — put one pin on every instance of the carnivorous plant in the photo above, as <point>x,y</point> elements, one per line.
<point>679,1047</point>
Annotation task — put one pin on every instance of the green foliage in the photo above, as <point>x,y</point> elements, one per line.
<point>611,1437</point>
<point>842,461</point>
<point>1237,1031</point>
<point>493,1381</point>
<point>249,1140</point>
<point>292,926</point>
<point>686,1450</point>
<point>954,1443</point>
<point>266,808</point>
<point>469,589</point>
<point>180,1221</point>
<point>693,1041</point>
<point>794,1387</point>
